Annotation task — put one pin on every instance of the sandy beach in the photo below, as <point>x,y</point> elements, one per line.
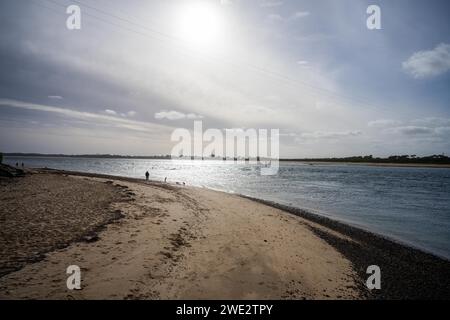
<point>148,240</point>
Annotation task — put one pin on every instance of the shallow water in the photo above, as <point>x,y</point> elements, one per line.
<point>408,204</point>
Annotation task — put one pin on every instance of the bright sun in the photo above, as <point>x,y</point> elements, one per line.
<point>200,25</point>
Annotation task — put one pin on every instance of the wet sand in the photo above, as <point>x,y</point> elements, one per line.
<point>148,240</point>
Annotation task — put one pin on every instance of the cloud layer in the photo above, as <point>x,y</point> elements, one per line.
<point>312,71</point>
<point>427,64</point>
<point>431,127</point>
<point>110,119</point>
<point>176,115</point>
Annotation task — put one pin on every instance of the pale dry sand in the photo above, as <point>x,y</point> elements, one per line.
<point>187,243</point>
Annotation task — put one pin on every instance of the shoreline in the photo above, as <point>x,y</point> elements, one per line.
<point>178,242</point>
<point>341,225</point>
<point>404,269</point>
<point>370,243</point>
<point>303,212</point>
<point>306,162</point>
<point>372,164</point>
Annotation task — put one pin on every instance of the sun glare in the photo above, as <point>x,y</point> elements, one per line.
<point>200,25</point>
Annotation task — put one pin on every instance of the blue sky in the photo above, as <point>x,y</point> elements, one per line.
<point>136,70</point>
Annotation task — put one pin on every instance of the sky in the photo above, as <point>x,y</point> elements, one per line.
<point>137,70</point>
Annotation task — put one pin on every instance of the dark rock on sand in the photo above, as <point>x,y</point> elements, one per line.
<point>10,172</point>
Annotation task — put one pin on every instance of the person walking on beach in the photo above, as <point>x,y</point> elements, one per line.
<point>165,179</point>
<point>147,175</point>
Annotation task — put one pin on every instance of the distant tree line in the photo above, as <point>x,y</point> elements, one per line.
<point>433,159</point>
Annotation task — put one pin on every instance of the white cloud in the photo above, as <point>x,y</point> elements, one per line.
<point>111,112</point>
<point>302,62</point>
<point>55,97</point>
<point>193,116</point>
<point>430,127</point>
<point>432,122</point>
<point>274,17</point>
<point>122,114</point>
<point>299,15</point>
<point>383,123</point>
<point>329,134</point>
<point>427,64</point>
<point>420,131</point>
<point>270,4</point>
<point>176,115</point>
<point>170,115</point>
<point>413,130</point>
<point>107,120</point>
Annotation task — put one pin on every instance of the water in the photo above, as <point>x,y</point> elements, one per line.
<point>403,203</point>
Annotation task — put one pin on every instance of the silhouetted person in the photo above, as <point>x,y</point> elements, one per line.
<point>23,165</point>
<point>147,175</point>
<point>17,164</point>
<point>165,179</point>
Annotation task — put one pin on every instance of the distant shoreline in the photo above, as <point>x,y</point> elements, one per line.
<point>305,161</point>
<point>373,164</point>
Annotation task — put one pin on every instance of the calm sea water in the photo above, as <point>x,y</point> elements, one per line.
<point>408,204</point>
